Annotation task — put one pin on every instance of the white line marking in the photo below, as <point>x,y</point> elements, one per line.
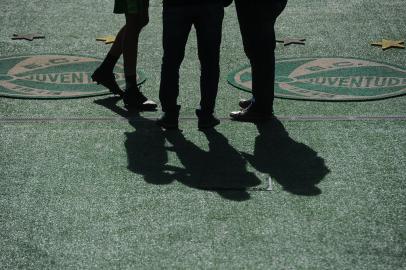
<point>304,118</point>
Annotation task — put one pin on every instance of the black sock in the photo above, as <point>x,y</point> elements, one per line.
<point>109,62</point>
<point>131,83</point>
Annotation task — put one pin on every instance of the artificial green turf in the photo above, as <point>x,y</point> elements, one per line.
<point>119,194</point>
<point>89,195</point>
<point>331,29</point>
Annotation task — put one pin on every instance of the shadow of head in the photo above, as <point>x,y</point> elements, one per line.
<point>221,169</point>
<point>295,166</point>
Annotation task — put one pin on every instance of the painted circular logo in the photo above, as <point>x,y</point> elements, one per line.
<point>52,77</point>
<point>330,79</point>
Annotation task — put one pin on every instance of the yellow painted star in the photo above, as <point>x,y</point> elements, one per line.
<point>107,39</point>
<point>387,44</point>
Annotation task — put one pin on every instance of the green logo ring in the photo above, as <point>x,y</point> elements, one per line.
<point>53,76</point>
<point>329,79</point>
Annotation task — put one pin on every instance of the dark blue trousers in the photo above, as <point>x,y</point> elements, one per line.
<point>257,20</point>
<point>177,23</point>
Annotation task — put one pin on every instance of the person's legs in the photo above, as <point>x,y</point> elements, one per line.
<point>133,27</point>
<point>104,73</point>
<point>257,21</point>
<point>133,98</point>
<point>257,31</point>
<point>262,59</point>
<point>208,26</point>
<point>209,29</point>
<point>134,24</point>
<point>126,44</point>
<point>177,24</point>
<point>116,50</point>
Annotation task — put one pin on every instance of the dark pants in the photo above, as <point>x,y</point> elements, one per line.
<point>177,23</point>
<point>257,20</point>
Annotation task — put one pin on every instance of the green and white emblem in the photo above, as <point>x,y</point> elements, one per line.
<point>52,77</point>
<point>330,79</point>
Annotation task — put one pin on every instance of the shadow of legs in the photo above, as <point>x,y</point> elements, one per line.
<point>145,146</point>
<point>222,169</point>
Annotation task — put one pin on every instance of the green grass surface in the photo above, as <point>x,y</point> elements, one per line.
<point>68,197</point>
<point>113,194</point>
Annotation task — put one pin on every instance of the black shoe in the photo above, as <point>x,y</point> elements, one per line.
<point>135,100</point>
<point>250,115</point>
<point>206,121</point>
<point>245,103</point>
<point>169,120</point>
<point>108,80</point>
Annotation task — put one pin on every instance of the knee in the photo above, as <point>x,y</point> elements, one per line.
<point>210,67</point>
<point>144,20</point>
<point>172,57</point>
<point>171,62</point>
<point>261,51</point>
<point>209,57</point>
<point>209,61</point>
<point>135,22</point>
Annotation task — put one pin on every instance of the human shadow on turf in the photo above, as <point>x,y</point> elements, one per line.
<point>145,146</point>
<point>295,166</point>
<point>221,169</point>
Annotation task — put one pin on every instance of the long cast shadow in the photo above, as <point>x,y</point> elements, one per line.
<point>295,166</point>
<point>145,146</point>
<point>222,169</point>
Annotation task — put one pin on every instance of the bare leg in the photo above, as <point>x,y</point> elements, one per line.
<point>126,44</point>
<point>127,41</point>
<point>104,73</point>
<point>117,47</point>
<point>133,27</point>
<point>133,98</point>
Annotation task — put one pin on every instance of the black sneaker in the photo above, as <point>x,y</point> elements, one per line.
<point>135,100</point>
<point>169,119</point>
<point>108,80</point>
<point>206,121</point>
<point>250,115</point>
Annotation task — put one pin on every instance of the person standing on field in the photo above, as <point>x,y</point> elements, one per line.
<point>126,44</point>
<point>178,18</point>
<point>257,19</point>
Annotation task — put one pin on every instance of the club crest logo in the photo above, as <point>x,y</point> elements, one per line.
<point>52,77</point>
<point>330,79</point>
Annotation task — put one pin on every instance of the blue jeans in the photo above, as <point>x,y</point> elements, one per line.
<point>177,23</point>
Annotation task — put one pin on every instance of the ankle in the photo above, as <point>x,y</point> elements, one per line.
<point>171,110</point>
<point>169,120</point>
<point>131,82</point>
<point>200,113</point>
